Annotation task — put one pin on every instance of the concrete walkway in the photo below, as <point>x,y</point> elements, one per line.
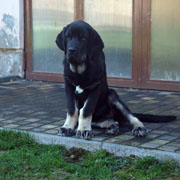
<point>39,108</point>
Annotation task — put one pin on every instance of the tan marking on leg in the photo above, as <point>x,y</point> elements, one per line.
<point>104,124</point>
<point>84,123</point>
<point>119,105</point>
<point>135,121</point>
<point>132,119</point>
<point>71,121</point>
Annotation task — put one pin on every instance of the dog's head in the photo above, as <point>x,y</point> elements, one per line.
<point>79,40</point>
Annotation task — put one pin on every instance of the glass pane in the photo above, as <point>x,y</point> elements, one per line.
<point>165,40</point>
<point>49,17</point>
<point>113,20</point>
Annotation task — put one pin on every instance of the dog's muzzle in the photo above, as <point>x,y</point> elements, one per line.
<point>75,57</point>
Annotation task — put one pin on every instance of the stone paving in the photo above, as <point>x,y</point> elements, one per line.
<point>40,107</point>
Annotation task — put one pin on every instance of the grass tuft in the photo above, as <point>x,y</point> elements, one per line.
<point>11,140</point>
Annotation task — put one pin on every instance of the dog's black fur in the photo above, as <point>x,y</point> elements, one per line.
<point>88,97</point>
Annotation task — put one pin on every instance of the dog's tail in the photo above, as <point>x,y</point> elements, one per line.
<point>122,109</point>
<point>154,118</point>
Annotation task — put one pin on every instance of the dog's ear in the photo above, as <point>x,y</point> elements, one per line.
<point>60,39</point>
<point>95,43</point>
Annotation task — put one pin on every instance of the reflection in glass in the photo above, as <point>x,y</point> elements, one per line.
<point>165,40</point>
<point>48,19</point>
<point>113,21</point>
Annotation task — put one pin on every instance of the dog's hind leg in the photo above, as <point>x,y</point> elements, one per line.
<point>122,113</point>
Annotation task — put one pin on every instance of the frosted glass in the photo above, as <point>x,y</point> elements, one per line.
<point>113,21</point>
<point>48,19</point>
<point>165,40</point>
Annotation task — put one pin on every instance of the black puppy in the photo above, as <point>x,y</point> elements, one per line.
<point>88,97</point>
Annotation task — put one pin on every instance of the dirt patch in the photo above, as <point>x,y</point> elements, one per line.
<point>75,154</point>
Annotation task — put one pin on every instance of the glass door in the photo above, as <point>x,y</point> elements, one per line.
<point>165,40</point>
<point>113,21</point>
<point>117,22</point>
<point>44,20</point>
<point>161,45</point>
<point>48,19</point>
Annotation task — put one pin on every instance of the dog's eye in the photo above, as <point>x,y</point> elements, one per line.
<point>68,36</point>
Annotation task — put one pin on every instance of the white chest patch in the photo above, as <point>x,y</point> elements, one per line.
<point>79,90</point>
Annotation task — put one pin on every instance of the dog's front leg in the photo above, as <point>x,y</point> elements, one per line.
<point>72,113</point>
<point>84,129</point>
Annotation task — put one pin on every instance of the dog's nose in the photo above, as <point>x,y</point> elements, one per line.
<point>72,50</point>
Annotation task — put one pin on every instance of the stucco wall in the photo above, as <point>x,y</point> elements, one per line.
<point>11,38</point>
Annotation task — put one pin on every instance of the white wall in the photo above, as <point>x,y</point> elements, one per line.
<point>11,38</point>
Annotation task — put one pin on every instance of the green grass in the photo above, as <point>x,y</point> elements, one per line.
<point>22,158</point>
